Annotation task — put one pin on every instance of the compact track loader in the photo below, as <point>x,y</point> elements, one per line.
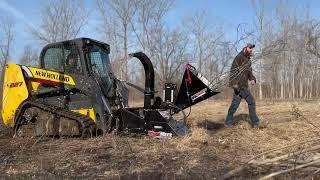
<point>75,93</point>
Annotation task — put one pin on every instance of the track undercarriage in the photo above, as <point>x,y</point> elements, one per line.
<point>39,119</point>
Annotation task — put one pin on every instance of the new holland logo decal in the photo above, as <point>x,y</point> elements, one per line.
<point>58,77</point>
<point>48,75</point>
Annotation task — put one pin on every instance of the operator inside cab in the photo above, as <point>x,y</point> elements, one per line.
<point>72,65</point>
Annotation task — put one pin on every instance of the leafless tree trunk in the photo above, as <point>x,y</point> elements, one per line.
<point>6,39</point>
<point>258,6</point>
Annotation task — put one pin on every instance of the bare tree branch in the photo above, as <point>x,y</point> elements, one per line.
<point>61,20</point>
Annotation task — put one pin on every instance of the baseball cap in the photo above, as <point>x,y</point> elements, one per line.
<point>249,45</point>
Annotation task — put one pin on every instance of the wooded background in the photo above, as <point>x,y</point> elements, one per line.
<point>286,60</point>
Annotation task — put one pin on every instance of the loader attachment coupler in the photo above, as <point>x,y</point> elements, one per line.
<point>194,88</point>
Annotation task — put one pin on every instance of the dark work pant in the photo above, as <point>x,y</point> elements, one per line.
<point>242,94</point>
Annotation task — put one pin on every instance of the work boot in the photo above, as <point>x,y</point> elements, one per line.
<point>256,126</point>
<point>229,125</point>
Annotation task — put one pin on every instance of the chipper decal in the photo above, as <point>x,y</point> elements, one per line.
<point>198,94</point>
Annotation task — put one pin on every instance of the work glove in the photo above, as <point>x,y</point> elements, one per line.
<point>252,82</point>
<point>236,89</point>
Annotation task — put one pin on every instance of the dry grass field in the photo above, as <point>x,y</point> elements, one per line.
<point>288,130</point>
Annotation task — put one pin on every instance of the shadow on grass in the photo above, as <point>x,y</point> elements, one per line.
<point>210,125</point>
<point>217,125</point>
<point>241,117</point>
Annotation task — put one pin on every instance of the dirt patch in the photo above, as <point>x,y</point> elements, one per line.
<point>5,132</point>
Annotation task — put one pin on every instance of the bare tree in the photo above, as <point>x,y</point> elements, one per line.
<point>149,17</point>
<point>169,49</point>
<point>312,43</point>
<point>199,28</point>
<point>290,55</point>
<point>6,39</point>
<point>286,59</point>
<point>29,56</point>
<point>205,41</point>
<point>61,20</point>
<point>312,37</point>
<point>150,34</point>
<point>259,9</point>
<point>118,13</point>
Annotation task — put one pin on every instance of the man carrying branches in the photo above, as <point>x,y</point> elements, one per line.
<point>241,72</point>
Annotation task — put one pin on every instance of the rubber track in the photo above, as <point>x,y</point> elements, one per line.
<point>86,124</point>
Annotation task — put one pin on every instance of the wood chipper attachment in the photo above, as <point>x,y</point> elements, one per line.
<point>157,115</point>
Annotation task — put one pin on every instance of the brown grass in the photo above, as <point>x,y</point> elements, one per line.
<point>210,151</point>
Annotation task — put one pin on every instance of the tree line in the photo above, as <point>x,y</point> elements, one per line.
<point>286,60</point>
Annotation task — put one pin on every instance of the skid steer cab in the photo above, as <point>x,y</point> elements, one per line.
<point>75,93</point>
